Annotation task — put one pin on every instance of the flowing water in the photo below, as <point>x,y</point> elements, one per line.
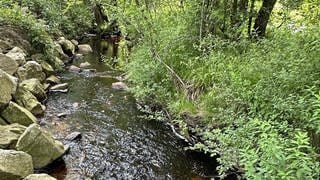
<point>116,143</point>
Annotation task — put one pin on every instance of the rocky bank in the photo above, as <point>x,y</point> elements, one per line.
<point>26,78</point>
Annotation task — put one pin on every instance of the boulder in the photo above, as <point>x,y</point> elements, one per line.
<point>35,87</point>
<point>8,86</point>
<point>119,86</point>
<point>53,80</point>
<point>57,63</point>
<point>67,46</point>
<point>58,52</point>
<point>84,49</point>
<point>26,99</point>
<point>8,64</point>
<point>18,55</point>
<point>47,68</point>
<point>40,145</point>
<point>9,135</point>
<point>42,60</point>
<point>31,69</point>
<point>17,114</point>
<point>39,177</point>
<point>15,164</point>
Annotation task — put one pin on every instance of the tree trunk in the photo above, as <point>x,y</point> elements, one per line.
<point>262,19</point>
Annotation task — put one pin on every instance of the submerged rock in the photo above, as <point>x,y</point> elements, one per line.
<point>26,99</point>
<point>40,145</point>
<point>73,136</point>
<point>119,86</point>
<point>39,177</point>
<point>8,64</point>
<point>30,70</point>
<point>9,135</point>
<point>84,49</point>
<point>18,55</point>
<point>15,164</point>
<point>8,86</point>
<point>17,114</point>
<point>35,87</point>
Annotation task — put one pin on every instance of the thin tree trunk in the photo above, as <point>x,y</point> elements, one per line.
<point>250,17</point>
<point>263,17</point>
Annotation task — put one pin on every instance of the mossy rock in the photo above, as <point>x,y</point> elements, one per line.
<point>8,86</point>
<point>17,114</point>
<point>26,99</point>
<point>40,145</point>
<point>15,164</point>
<point>9,135</point>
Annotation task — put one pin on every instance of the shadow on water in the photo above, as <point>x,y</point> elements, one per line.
<point>115,143</point>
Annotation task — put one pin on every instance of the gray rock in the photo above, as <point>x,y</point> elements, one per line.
<point>84,65</point>
<point>30,70</point>
<point>59,87</point>
<point>9,135</point>
<point>35,87</point>
<point>84,49</point>
<point>26,99</point>
<point>119,86</point>
<point>8,64</point>
<point>8,86</point>
<point>18,55</point>
<point>40,145</point>
<point>17,114</point>
<point>15,164</point>
<point>39,177</point>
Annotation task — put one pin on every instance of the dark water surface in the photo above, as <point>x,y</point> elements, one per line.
<point>115,143</point>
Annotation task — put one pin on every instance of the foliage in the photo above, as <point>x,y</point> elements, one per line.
<point>256,97</point>
<point>40,38</point>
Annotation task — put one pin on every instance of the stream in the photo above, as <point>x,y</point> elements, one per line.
<point>116,142</point>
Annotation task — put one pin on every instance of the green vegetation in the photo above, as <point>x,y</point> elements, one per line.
<point>251,92</point>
